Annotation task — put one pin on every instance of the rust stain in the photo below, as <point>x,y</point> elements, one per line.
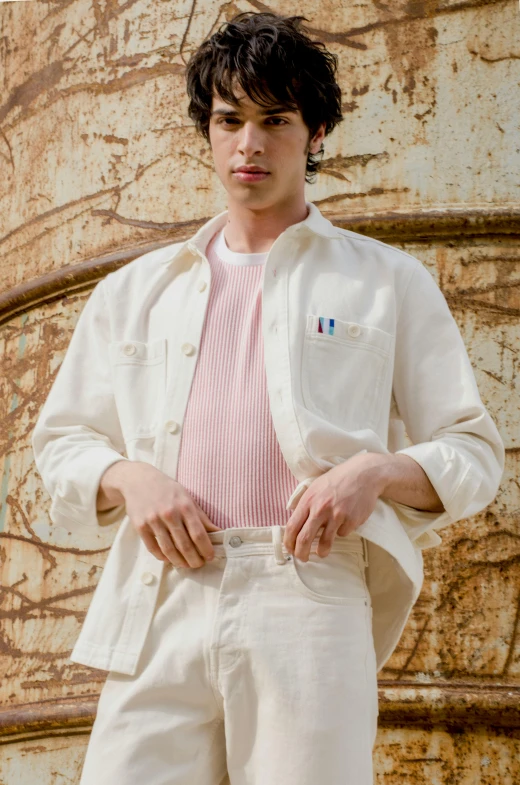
<point>162,227</point>
<point>115,139</point>
<point>410,45</point>
<point>334,166</point>
<point>10,159</point>
<point>42,217</point>
<point>188,25</point>
<point>356,195</point>
<point>26,93</point>
<point>349,106</point>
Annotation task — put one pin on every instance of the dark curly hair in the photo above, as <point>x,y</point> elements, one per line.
<point>274,62</point>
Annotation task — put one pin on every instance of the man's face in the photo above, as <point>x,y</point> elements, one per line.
<point>275,141</point>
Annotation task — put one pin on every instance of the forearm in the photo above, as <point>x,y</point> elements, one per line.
<point>110,487</point>
<point>403,480</point>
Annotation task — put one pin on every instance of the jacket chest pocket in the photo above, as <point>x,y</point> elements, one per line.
<point>345,367</point>
<point>139,376</point>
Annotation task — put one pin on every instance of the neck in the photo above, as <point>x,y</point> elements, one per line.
<point>254,231</point>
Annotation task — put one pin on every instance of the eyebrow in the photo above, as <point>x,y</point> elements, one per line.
<point>267,113</point>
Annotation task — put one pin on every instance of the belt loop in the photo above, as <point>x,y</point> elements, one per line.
<point>365,551</point>
<point>277,544</point>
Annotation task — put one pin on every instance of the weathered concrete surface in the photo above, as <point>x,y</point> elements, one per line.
<point>46,761</point>
<point>415,756</point>
<point>97,151</point>
<point>97,157</point>
<point>424,757</point>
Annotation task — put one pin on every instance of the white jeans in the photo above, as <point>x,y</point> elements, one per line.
<point>258,669</point>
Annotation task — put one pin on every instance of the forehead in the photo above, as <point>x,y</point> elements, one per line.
<point>243,103</point>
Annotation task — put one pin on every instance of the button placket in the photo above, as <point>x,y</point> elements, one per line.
<point>172,426</point>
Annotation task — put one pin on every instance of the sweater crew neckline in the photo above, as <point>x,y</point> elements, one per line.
<point>237,259</point>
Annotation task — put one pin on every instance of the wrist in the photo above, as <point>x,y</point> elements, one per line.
<point>379,471</point>
<point>113,483</point>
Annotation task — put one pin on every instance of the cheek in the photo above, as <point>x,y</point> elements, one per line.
<point>222,148</point>
<point>291,155</point>
<point>220,155</point>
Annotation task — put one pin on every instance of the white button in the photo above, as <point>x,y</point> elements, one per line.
<point>188,348</point>
<point>201,286</point>
<point>148,578</point>
<point>172,426</point>
<point>129,348</point>
<point>235,542</point>
<point>354,330</point>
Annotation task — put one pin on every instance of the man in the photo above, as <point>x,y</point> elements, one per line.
<point>237,402</point>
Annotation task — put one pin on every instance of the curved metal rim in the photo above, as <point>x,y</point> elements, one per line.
<point>400,704</point>
<point>451,225</point>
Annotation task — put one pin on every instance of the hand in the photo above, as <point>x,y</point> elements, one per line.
<point>339,500</point>
<point>170,522</point>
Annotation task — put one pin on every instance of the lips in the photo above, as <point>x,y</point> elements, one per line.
<point>251,170</point>
<point>250,174</point>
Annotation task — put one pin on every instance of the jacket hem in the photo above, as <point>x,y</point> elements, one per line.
<point>103,658</point>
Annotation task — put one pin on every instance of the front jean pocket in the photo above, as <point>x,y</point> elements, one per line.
<point>139,379</point>
<point>345,374</point>
<point>336,579</point>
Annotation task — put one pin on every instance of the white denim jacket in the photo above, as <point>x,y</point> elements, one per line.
<point>394,359</point>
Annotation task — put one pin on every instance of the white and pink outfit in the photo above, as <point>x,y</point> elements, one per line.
<point>256,670</point>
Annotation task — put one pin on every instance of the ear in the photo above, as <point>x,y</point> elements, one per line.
<point>316,141</point>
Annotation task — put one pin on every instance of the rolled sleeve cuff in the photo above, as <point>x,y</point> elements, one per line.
<point>74,503</point>
<point>456,482</point>
<point>420,524</point>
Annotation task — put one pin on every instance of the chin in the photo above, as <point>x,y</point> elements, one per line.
<point>249,198</point>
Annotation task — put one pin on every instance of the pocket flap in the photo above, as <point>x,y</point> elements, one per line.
<point>129,352</point>
<point>354,333</point>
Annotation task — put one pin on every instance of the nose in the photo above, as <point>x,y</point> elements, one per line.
<point>251,141</point>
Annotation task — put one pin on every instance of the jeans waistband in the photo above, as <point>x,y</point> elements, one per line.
<point>247,540</point>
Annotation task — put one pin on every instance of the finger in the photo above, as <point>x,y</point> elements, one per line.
<point>345,529</point>
<point>199,536</point>
<point>164,531</point>
<point>151,543</point>
<point>326,539</point>
<point>172,554</point>
<point>294,525</point>
<point>305,538</point>
<point>181,538</point>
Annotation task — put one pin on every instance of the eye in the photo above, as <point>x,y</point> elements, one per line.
<point>278,120</point>
<point>228,120</point>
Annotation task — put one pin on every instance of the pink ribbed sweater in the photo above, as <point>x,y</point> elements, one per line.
<point>230,460</point>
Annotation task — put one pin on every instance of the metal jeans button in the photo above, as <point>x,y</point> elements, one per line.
<point>235,542</point>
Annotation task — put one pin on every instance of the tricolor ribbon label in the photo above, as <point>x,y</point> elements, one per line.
<point>326,325</point>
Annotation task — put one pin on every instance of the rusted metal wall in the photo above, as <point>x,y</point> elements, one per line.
<point>99,163</point>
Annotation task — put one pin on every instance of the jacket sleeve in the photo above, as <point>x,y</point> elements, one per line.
<point>77,435</point>
<point>453,437</point>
